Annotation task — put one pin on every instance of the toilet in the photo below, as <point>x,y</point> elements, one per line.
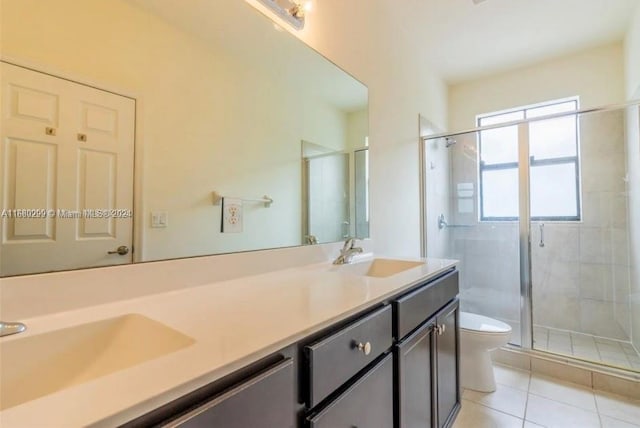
<point>478,336</point>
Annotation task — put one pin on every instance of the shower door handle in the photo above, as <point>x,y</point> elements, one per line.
<point>541,235</point>
<point>345,229</point>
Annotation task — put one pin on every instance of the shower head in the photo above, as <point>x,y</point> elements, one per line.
<point>448,142</point>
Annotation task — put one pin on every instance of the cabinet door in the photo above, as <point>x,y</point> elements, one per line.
<point>265,401</point>
<point>368,403</point>
<point>447,363</point>
<point>415,362</point>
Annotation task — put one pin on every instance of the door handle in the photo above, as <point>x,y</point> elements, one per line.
<point>122,250</point>
<point>541,235</point>
<point>345,229</point>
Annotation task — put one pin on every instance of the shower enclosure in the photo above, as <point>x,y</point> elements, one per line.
<point>542,208</point>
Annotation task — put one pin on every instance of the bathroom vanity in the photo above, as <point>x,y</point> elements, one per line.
<point>394,364</point>
<point>371,344</point>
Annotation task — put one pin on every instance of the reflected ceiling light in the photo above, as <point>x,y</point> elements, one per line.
<point>291,11</point>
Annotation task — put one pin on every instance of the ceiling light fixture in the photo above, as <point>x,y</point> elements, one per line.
<point>291,11</point>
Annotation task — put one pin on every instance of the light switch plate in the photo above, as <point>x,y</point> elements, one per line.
<point>159,219</point>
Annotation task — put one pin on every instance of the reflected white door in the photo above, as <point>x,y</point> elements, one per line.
<point>67,173</point>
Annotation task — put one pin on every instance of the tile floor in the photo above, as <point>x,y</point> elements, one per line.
<point>587,347</point>
<point>524,400</point>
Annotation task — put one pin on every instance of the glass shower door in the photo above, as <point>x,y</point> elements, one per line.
<point>580,238</point>
<point>541,208</point>
<point>471,215</point>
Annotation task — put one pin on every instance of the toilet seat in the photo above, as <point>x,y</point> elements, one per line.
<point>475,323</point>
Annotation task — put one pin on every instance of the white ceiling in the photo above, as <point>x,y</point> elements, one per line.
<point>460,40</point>
<point>464,41</point>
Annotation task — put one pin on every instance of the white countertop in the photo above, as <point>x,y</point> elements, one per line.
<point>234,323</point>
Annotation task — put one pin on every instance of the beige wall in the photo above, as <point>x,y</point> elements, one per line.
<point>205,122</point>
<point>366,38</point>
<point>596,75</point>
<point>632,56</point>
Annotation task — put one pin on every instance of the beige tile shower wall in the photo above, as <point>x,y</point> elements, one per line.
<point>633,162</point>
<point>604,244</point>
<point>632,63</point>
<point>581,275</point>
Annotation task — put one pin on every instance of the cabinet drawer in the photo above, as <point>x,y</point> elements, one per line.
<point>335,359</point>
<point>414,308</point>
<point>266,401</point>
<point>368,403</point>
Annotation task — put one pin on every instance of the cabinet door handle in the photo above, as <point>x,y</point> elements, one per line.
<point>364,347</point>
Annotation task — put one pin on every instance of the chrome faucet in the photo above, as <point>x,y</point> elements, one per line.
<point>347,252</point>
<point>8,328</point>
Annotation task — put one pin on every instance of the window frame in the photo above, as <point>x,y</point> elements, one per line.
<point>563,160</point>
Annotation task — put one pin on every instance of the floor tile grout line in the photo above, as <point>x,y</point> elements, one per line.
<point>494,409</point>
<point>526,403</point>
<point>565,403</point>
<point>595,399</point>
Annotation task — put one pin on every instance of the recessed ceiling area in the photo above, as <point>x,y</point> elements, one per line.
<point>464,40</point>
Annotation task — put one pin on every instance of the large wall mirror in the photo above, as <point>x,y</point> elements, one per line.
<point>140,130</point>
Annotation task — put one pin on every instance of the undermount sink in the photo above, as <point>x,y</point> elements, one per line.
<point>379,268</point>
<point>38,365</point>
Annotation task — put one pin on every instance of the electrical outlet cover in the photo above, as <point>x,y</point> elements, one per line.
<point>231,215</point>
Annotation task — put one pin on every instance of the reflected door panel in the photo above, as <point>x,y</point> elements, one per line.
<point>327,178</point>
<point>68,171</point>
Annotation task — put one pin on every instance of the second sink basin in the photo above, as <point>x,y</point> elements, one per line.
<point>38,365</point>
<point>379,268</point>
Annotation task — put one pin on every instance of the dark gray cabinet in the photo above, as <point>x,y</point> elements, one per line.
<point>266,401</point>
<point>414,368</point>
<point>368,403</point>
<point>427,359</point>
<point>447,343</point>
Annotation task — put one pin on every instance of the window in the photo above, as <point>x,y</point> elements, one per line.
<point>554,164</point>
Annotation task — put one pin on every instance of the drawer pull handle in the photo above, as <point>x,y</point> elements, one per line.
<point>364,347</point>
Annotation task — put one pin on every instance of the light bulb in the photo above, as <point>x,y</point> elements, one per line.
<point>307,5</point>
